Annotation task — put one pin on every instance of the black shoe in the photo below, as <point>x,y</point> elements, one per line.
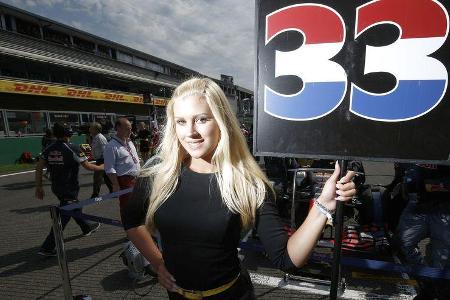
<point>45,252</point>
<point>93,229</point>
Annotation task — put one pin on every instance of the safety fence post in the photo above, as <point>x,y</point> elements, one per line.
<point>62,261</point>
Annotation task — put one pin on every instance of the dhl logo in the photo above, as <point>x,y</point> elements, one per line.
<point>31,88</point>
<point>79,93</point>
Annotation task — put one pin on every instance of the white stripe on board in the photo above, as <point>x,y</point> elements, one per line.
<point>311,63</point>
<point>407,59</point>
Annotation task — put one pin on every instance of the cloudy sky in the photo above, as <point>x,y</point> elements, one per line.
<point>210,36</point>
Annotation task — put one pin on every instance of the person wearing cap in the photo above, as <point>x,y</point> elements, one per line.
<point>121,160</point>
<point>63,159</point>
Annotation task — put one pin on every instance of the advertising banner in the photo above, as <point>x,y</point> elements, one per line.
<point>159,101</point>
<point>353,79</point>
<point>31,88</point>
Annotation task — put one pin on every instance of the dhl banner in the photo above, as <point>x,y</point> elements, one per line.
<point>160,101</point>
<point>30,88</point>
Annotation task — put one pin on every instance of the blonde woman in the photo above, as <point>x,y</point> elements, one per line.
<point>202,190</point>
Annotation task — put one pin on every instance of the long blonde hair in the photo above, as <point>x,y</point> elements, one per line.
<point>242,184</point>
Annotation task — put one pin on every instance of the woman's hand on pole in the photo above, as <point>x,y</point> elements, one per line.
<point>337,190</point>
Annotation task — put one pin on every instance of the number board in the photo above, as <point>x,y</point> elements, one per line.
<point>353,79</point>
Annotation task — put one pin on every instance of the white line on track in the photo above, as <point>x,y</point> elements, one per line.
<point>31,171</point>
<point>319,289</point>
<point>18,173</point>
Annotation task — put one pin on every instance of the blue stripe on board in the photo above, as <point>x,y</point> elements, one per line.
<point>315,100</point>
<point>411,99</point>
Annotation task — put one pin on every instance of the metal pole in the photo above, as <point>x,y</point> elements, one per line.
<point>62,261</point>
<point>294,188</point>
<point>338,227</point>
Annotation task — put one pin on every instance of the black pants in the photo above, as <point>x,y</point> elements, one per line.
<point>242,289</point>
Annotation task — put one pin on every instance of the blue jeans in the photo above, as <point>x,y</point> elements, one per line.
<point>49,243</point>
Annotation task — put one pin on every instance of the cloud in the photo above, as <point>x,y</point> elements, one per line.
<point>209,36</point>
<point>33,3</point>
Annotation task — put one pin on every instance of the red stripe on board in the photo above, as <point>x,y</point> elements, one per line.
<point>318,23</point>
<point>418,18</point>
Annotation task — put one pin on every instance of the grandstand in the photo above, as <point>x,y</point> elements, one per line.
<point>52,72</point>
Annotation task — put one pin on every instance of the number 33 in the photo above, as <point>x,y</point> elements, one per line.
<point>421,80</point>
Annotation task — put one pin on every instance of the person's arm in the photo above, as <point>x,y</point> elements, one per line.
<point>143,241</point>
<point>114,181</point>
<point>302,242</point>
<point>133,219</point>
<point>109,158</point>
<point>91,167</point>
<point>305,238</point>
<point>81,158</point>
<point>39,191</point>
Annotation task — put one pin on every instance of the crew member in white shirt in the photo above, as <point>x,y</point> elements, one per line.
<point>121,160</point>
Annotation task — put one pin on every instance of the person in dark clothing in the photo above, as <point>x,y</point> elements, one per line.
<point>426,215</point>
<point>63,159</point>
<point>201,189</point>
<point>144,135</point>
<point>47,138</point>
